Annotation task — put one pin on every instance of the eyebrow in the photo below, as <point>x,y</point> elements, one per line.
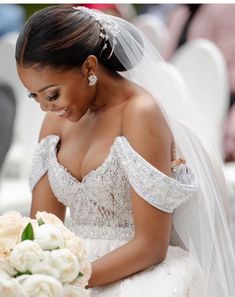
<point>46,87</point>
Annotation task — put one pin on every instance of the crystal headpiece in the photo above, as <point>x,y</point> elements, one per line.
<point>108,27</point>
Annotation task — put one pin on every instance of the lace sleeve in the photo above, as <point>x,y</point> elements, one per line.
<point>40,159</point>
<point>163,192</point>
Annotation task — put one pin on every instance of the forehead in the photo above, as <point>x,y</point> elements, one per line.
<point>36,78</point>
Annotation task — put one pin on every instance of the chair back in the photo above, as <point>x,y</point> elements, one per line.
<point>154,29</point>
<point>203,68</point>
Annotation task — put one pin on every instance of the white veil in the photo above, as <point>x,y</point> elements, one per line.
<point>201,224</point>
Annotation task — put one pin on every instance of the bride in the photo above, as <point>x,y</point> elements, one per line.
<point>119,148</point>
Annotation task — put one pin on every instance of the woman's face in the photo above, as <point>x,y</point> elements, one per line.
<point>66,93</point>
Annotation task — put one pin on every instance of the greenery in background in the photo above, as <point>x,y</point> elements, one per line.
<point>31,8</point>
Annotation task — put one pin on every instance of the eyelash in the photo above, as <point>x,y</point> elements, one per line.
<point>52,98</point>
<point>32,95</point>
<point>49,98</point>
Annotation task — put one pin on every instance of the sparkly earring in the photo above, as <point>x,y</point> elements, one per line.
<point>92,80</point>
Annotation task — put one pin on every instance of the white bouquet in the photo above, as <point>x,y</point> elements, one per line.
<point>41,258</point>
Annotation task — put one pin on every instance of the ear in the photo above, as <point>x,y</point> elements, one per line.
<point>90,65</point>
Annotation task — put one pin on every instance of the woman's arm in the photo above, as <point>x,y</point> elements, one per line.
<point>43,198</point>
<point>148,247</point>
<point>147,131</point>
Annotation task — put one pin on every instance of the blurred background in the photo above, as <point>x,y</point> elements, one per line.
<point>197,39</point>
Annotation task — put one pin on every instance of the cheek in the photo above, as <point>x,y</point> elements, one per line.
<point>76,106</point>
<point>78,97</point>
<point>80,100</point>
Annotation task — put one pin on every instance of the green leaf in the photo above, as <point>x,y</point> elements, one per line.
<point>80,274</point>
<point>56,248</point>
<point>27,233</point>
<point>40,222</point>
<point>22,273</point>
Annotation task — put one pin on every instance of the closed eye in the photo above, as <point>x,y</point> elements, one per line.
<point>52,98</point>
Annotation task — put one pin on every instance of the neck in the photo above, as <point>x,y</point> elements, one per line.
<point>108,90</point>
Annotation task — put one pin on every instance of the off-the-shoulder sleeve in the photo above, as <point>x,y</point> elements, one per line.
<point>41,158</point>
<point>163,192</point>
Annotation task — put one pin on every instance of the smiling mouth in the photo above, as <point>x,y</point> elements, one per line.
<point>62,112</point>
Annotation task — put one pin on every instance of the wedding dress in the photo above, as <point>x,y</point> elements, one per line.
<point>100,208</point>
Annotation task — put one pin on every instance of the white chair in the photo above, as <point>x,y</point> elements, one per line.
<point>154,29</point>
<point>204,70</point>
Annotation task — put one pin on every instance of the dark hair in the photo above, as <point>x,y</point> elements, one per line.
<point>63,37</point>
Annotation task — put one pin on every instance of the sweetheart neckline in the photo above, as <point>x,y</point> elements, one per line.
<point>104,163</point>
<point>86,176</point>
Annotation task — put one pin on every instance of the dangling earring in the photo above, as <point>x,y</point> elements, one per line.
<point>92,78</point>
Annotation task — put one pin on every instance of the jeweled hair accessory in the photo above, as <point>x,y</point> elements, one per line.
<point>108,27</point>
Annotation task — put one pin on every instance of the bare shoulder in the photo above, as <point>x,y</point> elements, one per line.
<point>142,115</point>
<point>146,129</point>
<point>51,125</point>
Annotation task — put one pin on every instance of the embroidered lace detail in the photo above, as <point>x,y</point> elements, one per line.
<point>152,185</point>
<point>100,205</point>
<point>40,159</point>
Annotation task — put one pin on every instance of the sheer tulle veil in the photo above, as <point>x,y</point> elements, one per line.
<point>200,225</point>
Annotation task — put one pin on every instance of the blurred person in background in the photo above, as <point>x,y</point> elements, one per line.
<point>160,11</point>
<point>7,116</point>
<point>11,20</point>
<point>215,22</point>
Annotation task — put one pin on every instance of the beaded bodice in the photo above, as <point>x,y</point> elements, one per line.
<point>100,205</point>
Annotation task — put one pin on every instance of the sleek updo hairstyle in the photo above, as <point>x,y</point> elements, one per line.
<point>62,37</point>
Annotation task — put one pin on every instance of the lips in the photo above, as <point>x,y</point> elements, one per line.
<point>62,112</point>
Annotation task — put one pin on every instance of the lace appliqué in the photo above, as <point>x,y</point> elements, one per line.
<point>100,205</point>
<point>41,158</point>
<point>156,188</point>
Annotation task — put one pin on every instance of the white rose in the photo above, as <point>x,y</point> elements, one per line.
<point>5,250</point>
<point>48,218</point>
<point>11,226</point>
<point>76,246</point>
<point>25,255</point>
<point>6,268</point>
<point>51,219</point>
<point>66,263</point>
<point>4,274</point>
<point>73,291</point>
<point>83,281</point>
<point>8,243</point>
<point>45,266</point>
<point>49,237</point>
<point>11,288</point>
<point>40,285</point>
